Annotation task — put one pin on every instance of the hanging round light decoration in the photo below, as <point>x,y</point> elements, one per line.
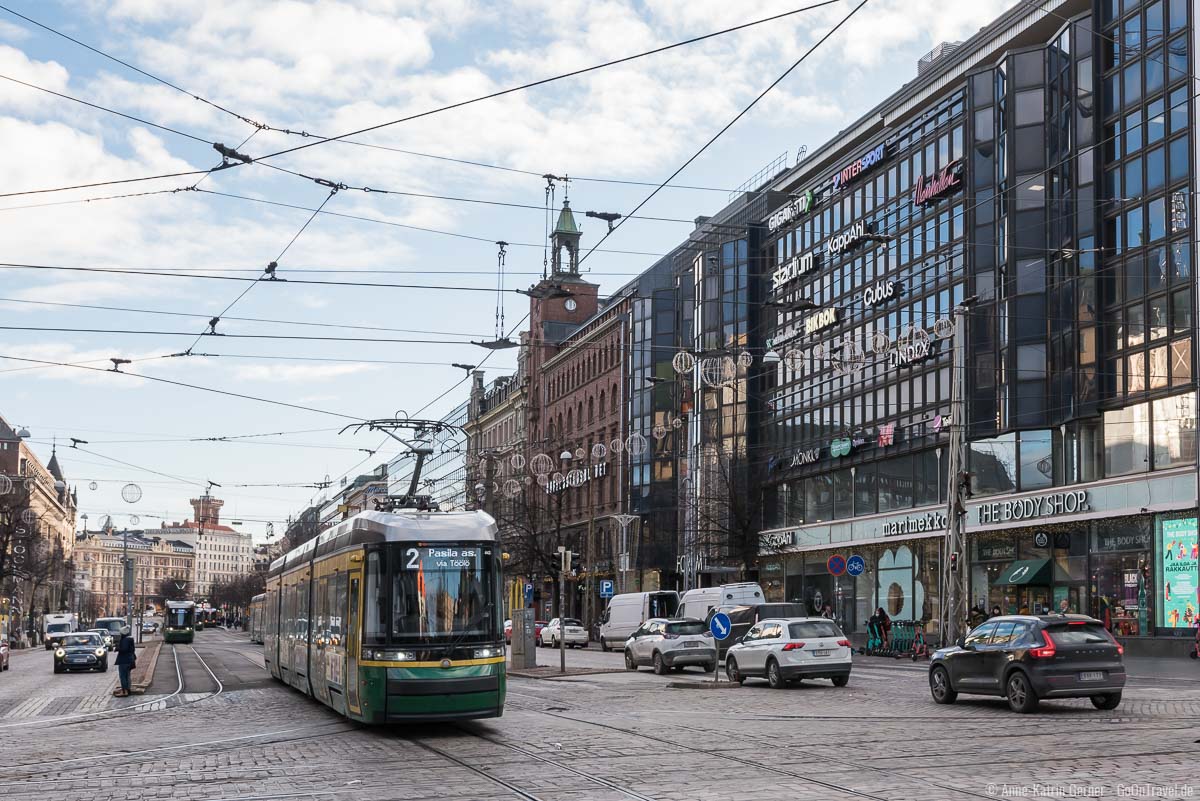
<point>134,520</point>
<point>793,359</point>
<point>543,479</point>
<point>636,444</point>
<point>131,493</point>
<point>93,486</point>
<point>541,464</point>
<point>557,478</point>
<point>599,451</point>
<point>528,481</point>
<point>580,453</point>
<point>745,359</point>
<point>880,342</point>
<point>512,488</point>
<point>28,517</point>
<point>677,423</point>
<point>517,460</point>
<point>616,446</point>
<point>683,362</point>
<point>943,328</point>
<point>6,485</point>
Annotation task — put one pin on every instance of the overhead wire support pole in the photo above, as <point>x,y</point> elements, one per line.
<point>953,569</point>
<point>418,445</point>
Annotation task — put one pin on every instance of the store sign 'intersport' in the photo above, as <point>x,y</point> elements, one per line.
<point>820,320</point>
<point>794,209</point>
<point>858,167</point>
<point>847,239</point>
<point>1057,503</point>
<point>945,182</point>
<point>793,268</point>
<point>917,524</point>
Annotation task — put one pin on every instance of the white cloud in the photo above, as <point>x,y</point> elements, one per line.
<point>48,74</point>
<point>298,372</point>
<point>12,33</point>
<point>84,291</point>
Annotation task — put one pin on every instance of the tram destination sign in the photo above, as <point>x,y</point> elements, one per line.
<point>441,557</point>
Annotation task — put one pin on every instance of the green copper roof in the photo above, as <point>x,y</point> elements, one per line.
<point>566,221</point>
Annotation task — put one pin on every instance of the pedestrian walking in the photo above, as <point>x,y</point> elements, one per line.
<point>126,660</point>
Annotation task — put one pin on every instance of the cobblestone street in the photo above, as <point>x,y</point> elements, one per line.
<point>600,736</point>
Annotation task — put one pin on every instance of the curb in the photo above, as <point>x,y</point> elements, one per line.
<point>145,678</point>
<point>703,685</point>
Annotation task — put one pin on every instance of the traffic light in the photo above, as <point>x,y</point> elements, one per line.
<point>953,560</point>
<point>576,564</point>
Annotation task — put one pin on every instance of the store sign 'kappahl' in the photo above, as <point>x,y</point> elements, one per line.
<point>1058,503</point>
<point>794,209</point>
<point>847,239</point>
<point>917,524</point>
<point>793,268</point>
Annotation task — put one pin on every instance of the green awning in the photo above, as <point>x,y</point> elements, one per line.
<point>1027,571</point>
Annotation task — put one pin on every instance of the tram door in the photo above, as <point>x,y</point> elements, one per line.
<point>353,640</point>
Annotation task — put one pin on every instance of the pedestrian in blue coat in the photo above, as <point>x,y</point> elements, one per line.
<point>126,660</point>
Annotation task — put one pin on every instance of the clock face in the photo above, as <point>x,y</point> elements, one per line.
<point>570,304</point>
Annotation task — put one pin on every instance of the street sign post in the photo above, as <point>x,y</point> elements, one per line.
<point>855,565</point>
<point>720,626</point>
<point>606,588</point>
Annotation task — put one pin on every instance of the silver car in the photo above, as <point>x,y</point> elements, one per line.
<point>781,650</point>
<point>671,645</point>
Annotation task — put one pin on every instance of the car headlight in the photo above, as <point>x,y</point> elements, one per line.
<point>99,652</point>
<point>60,653</point>
<point>488,653</point>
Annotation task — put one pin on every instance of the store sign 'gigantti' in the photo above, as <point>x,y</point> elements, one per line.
<point>945,182</point>
<point>794,209</point>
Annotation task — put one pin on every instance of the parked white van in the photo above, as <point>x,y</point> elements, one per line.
<point>626,612</point>
<point>699,602</point>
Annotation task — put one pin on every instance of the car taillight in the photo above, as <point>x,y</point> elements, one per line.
<point>669,636</point>
<point>1113,640</point>
<point>844,643</point>
<point>793,646</point>
<point>1046,651</point>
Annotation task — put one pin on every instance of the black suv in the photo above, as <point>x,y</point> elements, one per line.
<point>1026,658</point>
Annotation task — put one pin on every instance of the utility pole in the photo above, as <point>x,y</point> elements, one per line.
<point>953,569</point>
<point>563,567</point>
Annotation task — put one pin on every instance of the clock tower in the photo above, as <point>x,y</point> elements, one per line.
<point>558,305</point>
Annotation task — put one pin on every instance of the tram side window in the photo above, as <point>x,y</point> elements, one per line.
<point>375,607</point>
<point>337,609</point>
<point>302,610</point>
<point>320,630</point>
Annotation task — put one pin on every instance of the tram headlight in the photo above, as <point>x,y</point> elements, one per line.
<point>488,653</point>
<point>391,656</point>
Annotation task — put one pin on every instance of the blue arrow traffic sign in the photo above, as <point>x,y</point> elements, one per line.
<point>606,588</point>
<point>855,565</point>
<point>720,625</point>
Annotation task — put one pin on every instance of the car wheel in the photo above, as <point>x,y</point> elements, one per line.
<point>710,667</point>
<point>775,676</point>
<point>1021,697</point>
<point>841,681</point>
<point>604,645</point>
<point>104,666</point>
<point>660,667</point>
<point>939,686</point>
<point>630,664</point>
<point>58,669</point>
<point>1107,701</point>
<point>732,672</point>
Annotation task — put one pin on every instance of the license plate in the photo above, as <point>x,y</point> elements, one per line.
<point>826,652</point>
<point>1092,675</point>
<point>692,645</point>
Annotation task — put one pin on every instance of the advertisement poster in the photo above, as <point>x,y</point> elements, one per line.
<point>1178,555</point>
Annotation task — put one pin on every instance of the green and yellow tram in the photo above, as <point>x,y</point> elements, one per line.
<point>179,621</point>
<point>392,616</point>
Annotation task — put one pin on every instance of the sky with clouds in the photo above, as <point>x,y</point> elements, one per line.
<point>328,67</point>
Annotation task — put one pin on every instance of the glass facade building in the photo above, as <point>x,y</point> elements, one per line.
<point>1040,175</point>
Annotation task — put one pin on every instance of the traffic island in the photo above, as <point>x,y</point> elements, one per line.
<point>551,672</point>
<point>142,675</point>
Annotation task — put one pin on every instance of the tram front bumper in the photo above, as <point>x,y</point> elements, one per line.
<point>431,694</point>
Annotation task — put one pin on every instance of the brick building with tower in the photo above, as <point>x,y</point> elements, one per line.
<point>221,552</point>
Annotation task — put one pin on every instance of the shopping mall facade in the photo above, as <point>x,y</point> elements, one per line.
<point>1040,177</point>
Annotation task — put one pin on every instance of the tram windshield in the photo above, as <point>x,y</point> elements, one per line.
<point>179,618</point>
<point>443,591</point>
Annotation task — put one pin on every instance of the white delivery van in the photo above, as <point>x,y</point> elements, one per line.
<point>627,611</point>
<point>699,602</point>
<point>55,626</point>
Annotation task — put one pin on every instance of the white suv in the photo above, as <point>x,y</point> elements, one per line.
<point>790,649</point>
<point>671,645</point>
<point>573,634</point>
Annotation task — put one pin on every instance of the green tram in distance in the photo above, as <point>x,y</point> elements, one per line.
<point>391,617</point>
<point>257,605</point>
<point>179,621</point>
